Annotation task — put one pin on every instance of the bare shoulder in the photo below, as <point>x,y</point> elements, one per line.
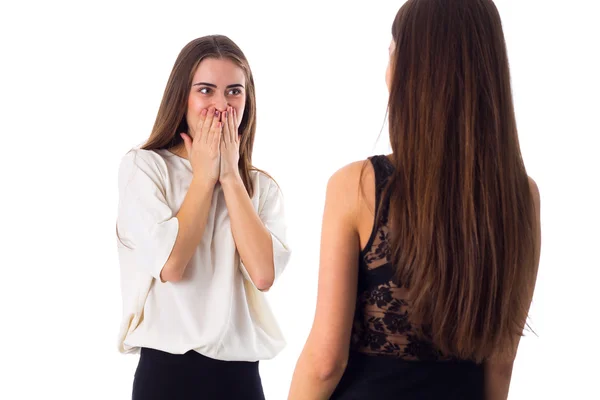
<point>344,188</point>
<point>350,176</point>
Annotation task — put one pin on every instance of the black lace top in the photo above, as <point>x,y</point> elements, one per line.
<point>387,360</point>
<point>381,321</point>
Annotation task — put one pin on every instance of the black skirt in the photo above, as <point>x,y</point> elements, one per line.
<point>381,378</point>
<point>166,376</point>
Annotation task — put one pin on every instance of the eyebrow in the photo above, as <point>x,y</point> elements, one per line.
<point>215,86</point>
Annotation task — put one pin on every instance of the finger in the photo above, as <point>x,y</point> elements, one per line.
<point>187,141</point>
<point>215,128</point>
<point>225,133</point>
<point>208,122</point>
<point>231,127</point>
<point>200,123</point>
<point>215,121</point>
<point>216,117</point>
<point>235,124</point>
<point>216,135</point>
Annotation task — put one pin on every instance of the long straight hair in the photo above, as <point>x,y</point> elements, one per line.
<point>171,118</point>
<point>461,211</point>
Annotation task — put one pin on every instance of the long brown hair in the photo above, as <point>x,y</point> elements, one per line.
<point>461,211</point>
<point>171,117</point>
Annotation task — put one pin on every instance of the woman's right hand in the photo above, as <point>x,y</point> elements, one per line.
<point>204,150</point>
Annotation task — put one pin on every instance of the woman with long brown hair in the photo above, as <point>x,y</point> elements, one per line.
<point>201,234</point>
<point>429,255</point>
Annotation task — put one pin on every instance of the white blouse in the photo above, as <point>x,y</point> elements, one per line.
<point>215,309</point>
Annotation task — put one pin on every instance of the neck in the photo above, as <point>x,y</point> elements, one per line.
<point>179,150</point>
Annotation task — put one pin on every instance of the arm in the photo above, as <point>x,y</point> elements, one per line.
<point>192,220</point>
<point>160,242</point>
<point>498,372</point>
<point>252,239</point>
<point>204,155</point>
<point>325,354</point>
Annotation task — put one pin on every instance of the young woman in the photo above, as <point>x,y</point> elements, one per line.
<point>201,235</point>
<point>429,255</point>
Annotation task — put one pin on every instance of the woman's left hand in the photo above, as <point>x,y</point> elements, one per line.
<point>230,146</point>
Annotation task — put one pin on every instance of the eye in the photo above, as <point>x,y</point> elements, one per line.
<point>205,90</point>
<point>234,92</point>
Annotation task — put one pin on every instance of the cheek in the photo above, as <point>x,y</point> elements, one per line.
<point>239,109</point>
<point>193,110</point>
<point>240,115</point>
<point>196,104</point>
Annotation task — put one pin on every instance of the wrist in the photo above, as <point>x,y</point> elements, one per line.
<point>202,183</point>
<point>231,179</point>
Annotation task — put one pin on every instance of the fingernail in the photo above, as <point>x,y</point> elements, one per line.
<point>225,114</point>
<point>203,112</point>
<point>217,113</point>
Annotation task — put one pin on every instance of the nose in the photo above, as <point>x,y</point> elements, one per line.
<point>220,103</point>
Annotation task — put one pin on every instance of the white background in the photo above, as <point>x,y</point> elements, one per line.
<point>80,84</point>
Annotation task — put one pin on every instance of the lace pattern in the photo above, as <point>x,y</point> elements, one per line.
<point>382,319</point>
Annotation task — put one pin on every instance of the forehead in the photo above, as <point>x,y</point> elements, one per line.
<point>219,71</point>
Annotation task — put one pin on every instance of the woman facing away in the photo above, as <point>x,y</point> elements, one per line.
<point>201,234</point>
<point>429,256</point>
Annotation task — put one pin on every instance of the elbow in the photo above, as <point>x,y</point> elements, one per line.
<point>262,278</point>
<point>264,284</point>
<point>330,370</point>
<point>327,366</point>
<point>171,274</point>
